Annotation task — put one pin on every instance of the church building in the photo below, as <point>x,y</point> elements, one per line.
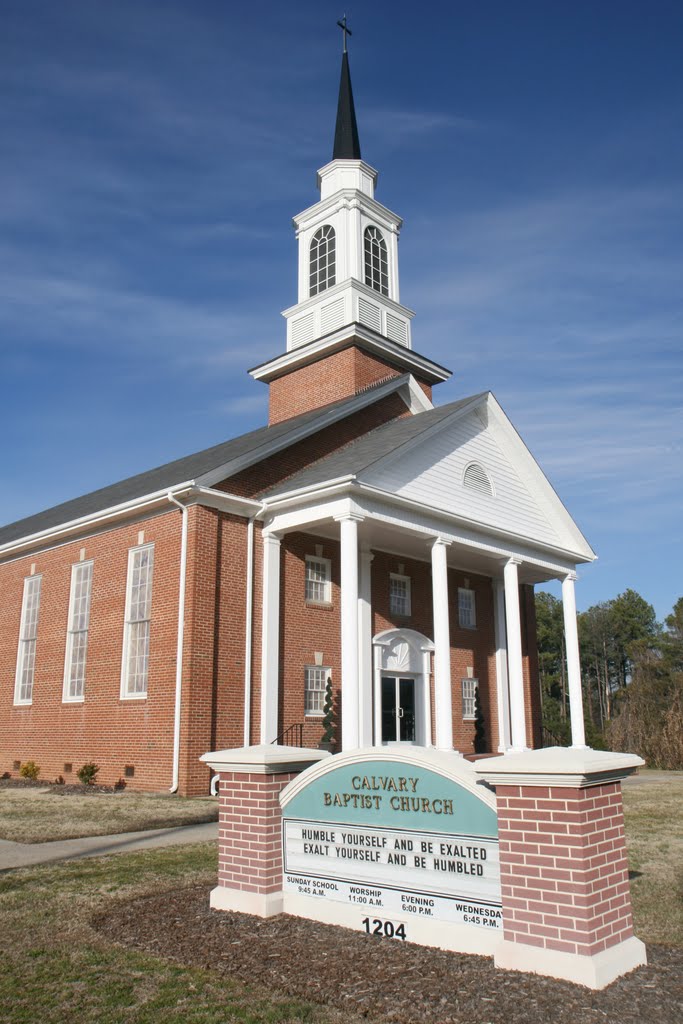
<point>366,543</point>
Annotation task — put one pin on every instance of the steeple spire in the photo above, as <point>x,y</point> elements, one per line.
<point>346,141</point>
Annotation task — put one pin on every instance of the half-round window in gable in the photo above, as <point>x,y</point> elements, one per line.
<point>477,479</point>
<point>323,261</point>
<point>376,261</point>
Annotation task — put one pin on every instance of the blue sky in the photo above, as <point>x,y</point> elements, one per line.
<point>153,154</point>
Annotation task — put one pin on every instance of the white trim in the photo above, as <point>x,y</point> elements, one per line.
<point>470,696</point>
<point>66,697</point>
<point>124,694</point>
<point>133,506</point>
<point>180,634</point>
<point>350,333</point>
<point>595,972</point>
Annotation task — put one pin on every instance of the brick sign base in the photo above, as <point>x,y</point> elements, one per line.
<point>563,869</point>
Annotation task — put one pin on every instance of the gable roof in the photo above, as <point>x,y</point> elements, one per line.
<point>362,453</point>
<point>206,467</point>
<point>423,458</point>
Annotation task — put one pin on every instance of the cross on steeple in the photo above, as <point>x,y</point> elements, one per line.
<point>346,31</point>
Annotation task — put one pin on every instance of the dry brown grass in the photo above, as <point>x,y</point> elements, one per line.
<point>37,815</point>
<point>653,809</point>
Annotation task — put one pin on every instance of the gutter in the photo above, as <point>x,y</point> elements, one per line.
<point>179,646</point>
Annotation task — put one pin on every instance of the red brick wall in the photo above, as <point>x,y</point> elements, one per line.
<point>332,377</point>
<point>105,729</point>
<point>564,871</point>
<point>305,629</point>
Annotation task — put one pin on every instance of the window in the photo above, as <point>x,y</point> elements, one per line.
<point>399,594</point>
<point>322,260</point>
<point>136,629</point>
<point>318,580</point>
<point>315,684</point>
<point>376,261</point>
<point>469,699</point>
<point>28,631</point>
<point>467,612</point>
<point>77,631</point>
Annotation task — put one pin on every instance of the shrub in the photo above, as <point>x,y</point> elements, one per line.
<point>329,723</point>
<point>88,773</point>
<point>59,781</point>
<point>29,770</point>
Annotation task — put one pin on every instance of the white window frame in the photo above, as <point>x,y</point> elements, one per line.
<point>467,614</point>
<point>470,692</point>
<point>27,644</point>
<point>126,694</point>
<point>321,672</point>
<point>400,578</point>
<point>71,633</point>
<point>326,564</point>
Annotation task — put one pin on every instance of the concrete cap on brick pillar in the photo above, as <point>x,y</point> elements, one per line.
<point>263,759</point>
<point>573,768</point>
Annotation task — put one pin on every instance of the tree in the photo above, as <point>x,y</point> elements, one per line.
<point>649,711</point>
<point>552,664</point>
<point>329,717</point>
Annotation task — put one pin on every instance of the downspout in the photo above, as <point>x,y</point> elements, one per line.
<point>249,626</point>
<point>179,647</point>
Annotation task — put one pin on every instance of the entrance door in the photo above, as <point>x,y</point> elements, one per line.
<point>398,710</point>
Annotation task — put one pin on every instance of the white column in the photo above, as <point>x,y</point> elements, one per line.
<point>514,644</point>
<point>571,640</point>
<point>502,687</point>
<point>365,651</point>
<point>349,632</point>
<point>377,690</point>
<point>442,648</point>
<point>270,638</point>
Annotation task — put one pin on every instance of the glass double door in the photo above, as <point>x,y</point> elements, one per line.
<point>398,710</point>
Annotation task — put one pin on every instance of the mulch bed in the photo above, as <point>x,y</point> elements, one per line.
<point>383,979</point>
<point>62,788</point>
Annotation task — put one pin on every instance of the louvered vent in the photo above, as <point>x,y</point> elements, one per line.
<point>397,329</point>
<point>370,314</point>
<point>332,316</point>
<point>476,479</point>
<point>302,329</point>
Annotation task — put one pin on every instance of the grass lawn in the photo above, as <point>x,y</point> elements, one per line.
<point>40,815</point>
<point>56,969</point>
<point>653,809</point>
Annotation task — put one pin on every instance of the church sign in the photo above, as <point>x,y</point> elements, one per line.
<point>402,843</point>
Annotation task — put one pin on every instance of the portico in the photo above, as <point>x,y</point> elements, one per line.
<point>397,685</point>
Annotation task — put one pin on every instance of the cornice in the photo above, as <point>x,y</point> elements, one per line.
<point>350,334</point>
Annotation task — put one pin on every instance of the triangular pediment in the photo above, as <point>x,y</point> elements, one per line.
<point>475,466</point>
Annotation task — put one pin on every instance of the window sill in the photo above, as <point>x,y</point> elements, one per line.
<point>133,696</point>
<point>23,703</point>
<point>470,628</point>
<point>319,604</point>
<point>73,700</point>
<point>317,715</point>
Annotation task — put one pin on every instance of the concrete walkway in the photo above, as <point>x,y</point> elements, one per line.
<point>25,855</point>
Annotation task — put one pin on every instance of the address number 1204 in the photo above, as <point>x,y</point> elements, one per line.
<point>373,926</point>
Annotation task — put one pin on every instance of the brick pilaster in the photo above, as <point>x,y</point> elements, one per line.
<point>564,872</point>
<point>250,823</point>
<point>563,866</point>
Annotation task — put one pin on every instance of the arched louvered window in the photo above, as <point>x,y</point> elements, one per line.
<point>477,479</point>
<point>323,262</point>
<point>376,261</point>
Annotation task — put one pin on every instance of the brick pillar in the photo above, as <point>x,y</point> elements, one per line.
<point>250,824</point>
<point>563,866</point>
